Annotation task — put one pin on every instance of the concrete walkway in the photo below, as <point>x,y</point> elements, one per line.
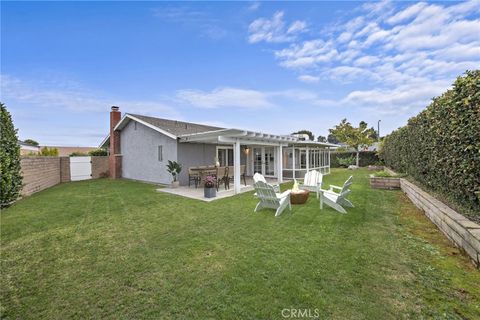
<point>197,193</point>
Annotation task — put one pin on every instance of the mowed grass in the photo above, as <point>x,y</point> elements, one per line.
<point>121,250</point>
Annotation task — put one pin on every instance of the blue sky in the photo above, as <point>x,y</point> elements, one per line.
<point>274,67</point>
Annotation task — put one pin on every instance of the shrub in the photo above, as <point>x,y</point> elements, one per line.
<point>11,178</point>
<point>98,152</point>
<point>345,162</point>
<point>382,174</point>
<point>366,158</point>
<point>78,154</point>
<point>48,152</point>
<point>440,147</point>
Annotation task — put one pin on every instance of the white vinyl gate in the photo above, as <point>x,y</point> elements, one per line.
<point>80,168</point>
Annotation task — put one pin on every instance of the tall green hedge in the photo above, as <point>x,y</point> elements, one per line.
<point>440,147</point>
<point>11,178</point>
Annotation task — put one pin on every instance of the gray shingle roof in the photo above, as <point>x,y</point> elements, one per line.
<point>176,128</point>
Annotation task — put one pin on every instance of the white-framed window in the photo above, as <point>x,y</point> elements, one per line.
<point>160,153</point>
<point>225,156</point>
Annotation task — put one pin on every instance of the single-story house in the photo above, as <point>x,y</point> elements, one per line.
<point>139,147</point>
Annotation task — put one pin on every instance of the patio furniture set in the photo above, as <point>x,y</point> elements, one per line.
<point>270,197</point>
<point>222,175</point>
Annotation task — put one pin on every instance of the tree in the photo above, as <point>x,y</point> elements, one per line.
<point>321,139</point>
<point>49,152</point>
<point>373,132</point>
<point>354,137</point>
<point>32,142</point>
<point>332,139</point>
<point>307,132</point>
<point>11,178</point>
<point>98,152</point>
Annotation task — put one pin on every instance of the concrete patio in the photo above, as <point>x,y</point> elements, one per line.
<point>197,193</point>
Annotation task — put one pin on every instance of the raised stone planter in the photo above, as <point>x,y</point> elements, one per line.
<point>384,183</point>
<point>375,168</point>
<point>464,233</point>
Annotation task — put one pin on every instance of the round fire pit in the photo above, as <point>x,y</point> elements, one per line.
<point>299,197</point>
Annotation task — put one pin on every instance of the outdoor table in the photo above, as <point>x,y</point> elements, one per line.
<point>205,171</point>
<point>299,197</point>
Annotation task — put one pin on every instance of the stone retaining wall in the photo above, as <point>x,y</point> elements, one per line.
<point>464,233</point>
<point>384,183</point>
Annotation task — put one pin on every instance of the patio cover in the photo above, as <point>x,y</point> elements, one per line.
<point>237,137</point>
<point>248,137</point>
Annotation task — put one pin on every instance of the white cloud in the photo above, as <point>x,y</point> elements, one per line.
<point>366,61</point>
<point>297,27</point>
<point>345,36</point>
<point>408,13</point>
<point>377,6</point>
<point>406,54</point>
<point>190,17</point>
<point>275,29</point>
<point>399,100</point>
<point>225,98</point>
<point>71,96</point>
<point>308,78</point>
<point>434,41</point>
<point>307,54</point>
<point>349,74</point>
<point>254,6</point>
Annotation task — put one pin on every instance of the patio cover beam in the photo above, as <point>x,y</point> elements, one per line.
<point>223,139</point>
<point>230,136</point>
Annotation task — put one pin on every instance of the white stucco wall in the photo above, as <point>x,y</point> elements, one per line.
<point>139,149</point>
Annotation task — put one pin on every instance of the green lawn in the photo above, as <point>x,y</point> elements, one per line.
<point>119,249</point>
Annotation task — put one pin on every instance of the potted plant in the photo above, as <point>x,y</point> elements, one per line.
<point>209,190</point>
<point>174,168</point>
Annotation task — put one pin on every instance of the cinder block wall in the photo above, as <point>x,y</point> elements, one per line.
<point>64,169</point>
<point>99,167</point>
<point>39,173</point>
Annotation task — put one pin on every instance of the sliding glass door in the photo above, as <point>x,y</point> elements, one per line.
<point>269,156</point>
<point>264,161</point>
<point>257,160</point>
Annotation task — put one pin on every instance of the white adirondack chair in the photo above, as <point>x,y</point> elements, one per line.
<point>258,177</point>
<point>312,182</point>
<point>334,199</point>
<point>271,199</point>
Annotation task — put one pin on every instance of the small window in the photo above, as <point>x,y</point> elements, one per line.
<point>160,153</point>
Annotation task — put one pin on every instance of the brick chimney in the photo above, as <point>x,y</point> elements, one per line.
<point>115,159</point>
